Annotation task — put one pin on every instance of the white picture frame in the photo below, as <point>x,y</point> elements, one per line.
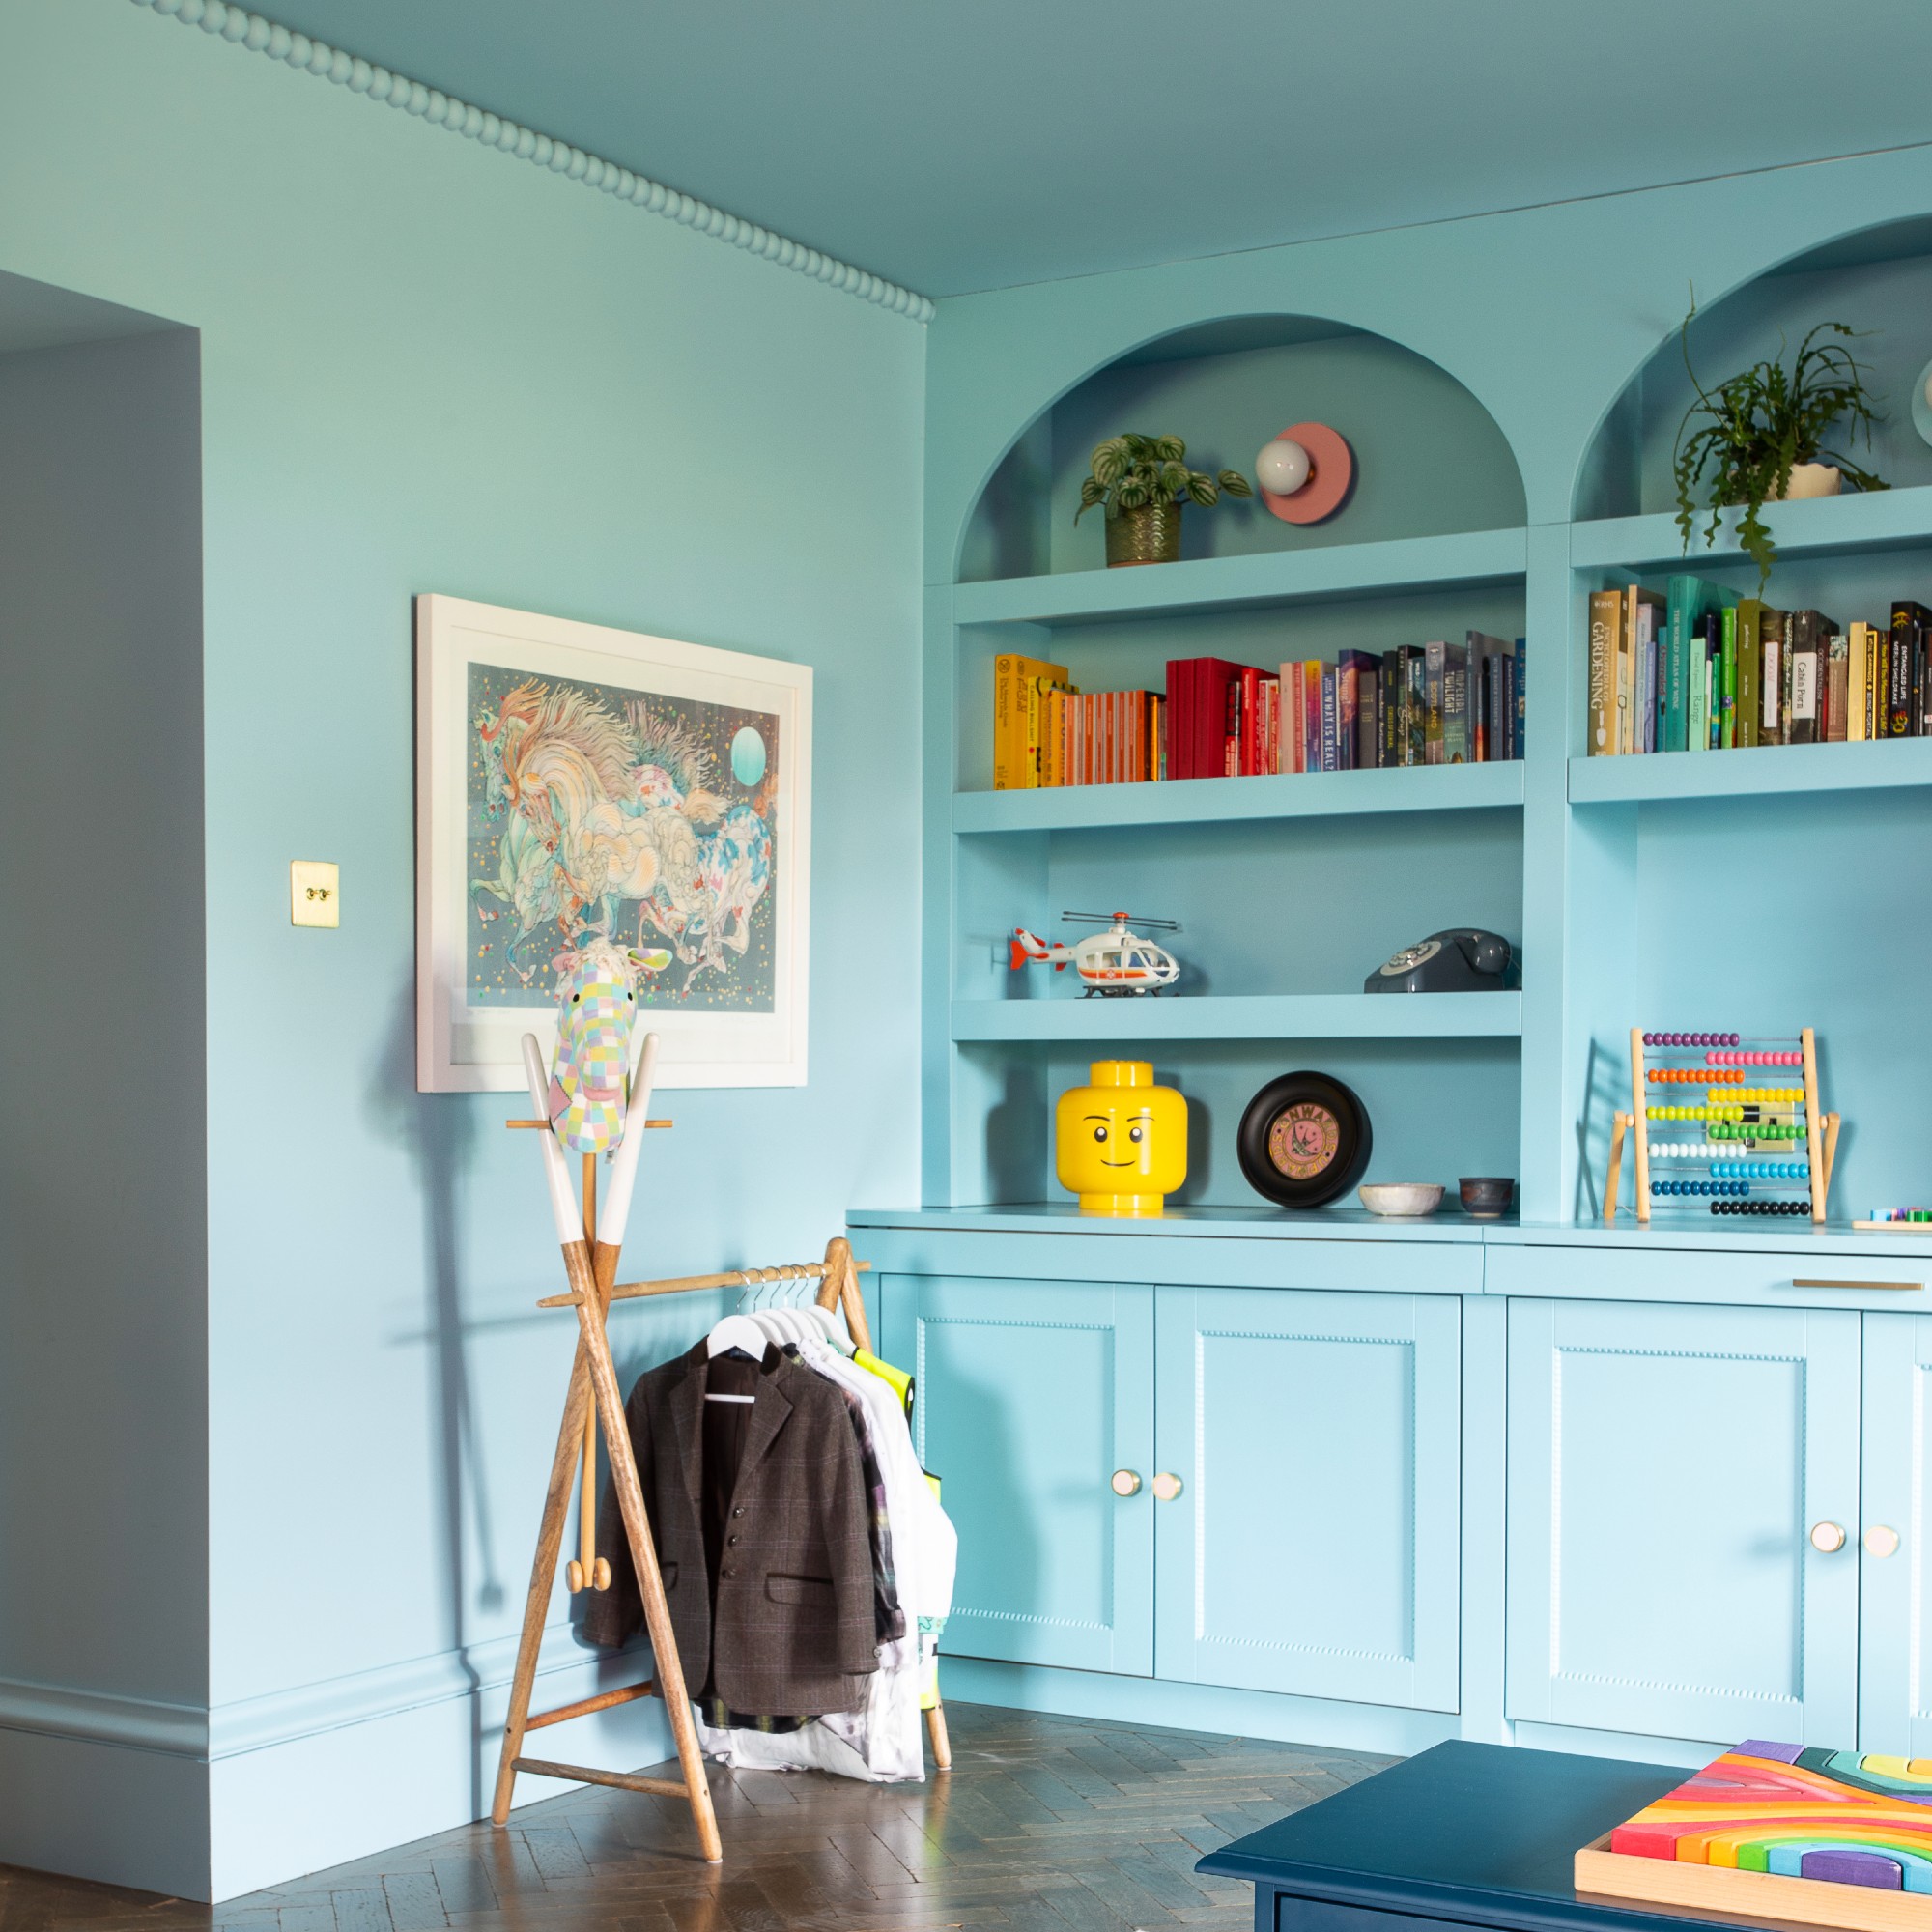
<point>731,1005</point>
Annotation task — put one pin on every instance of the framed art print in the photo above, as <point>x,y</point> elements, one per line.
<point>575,781</point>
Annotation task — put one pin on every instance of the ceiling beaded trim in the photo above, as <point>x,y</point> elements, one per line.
<point>442,110</point>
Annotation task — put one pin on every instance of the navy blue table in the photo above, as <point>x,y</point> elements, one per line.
<point>1467,1835</point>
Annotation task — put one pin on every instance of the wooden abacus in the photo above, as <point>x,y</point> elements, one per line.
<point>1744,1118</point>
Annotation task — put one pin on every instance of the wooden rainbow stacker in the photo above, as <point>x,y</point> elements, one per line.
<point>1775,1831</point>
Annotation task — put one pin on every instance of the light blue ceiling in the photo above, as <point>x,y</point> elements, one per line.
<point>952,145</point>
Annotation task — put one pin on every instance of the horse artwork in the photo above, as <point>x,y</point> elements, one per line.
<point>580,787</point>
<point>637,820</point>
<point>590,1071</point>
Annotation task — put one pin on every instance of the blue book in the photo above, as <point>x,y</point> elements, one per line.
<point>1329,721</point>
<point>1688,601</point>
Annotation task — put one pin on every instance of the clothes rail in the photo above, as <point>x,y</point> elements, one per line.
<point>593,1398</point>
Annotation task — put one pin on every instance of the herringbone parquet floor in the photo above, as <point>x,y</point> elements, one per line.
<point>1044,1824</point>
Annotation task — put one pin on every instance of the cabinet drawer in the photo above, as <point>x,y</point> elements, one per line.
<point>1789,1278</point>
<point>1403,1264</point>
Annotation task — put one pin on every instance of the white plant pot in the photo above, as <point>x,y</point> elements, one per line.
<point>1813,479</point>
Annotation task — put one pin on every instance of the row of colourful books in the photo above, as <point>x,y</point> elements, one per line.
<point>1421,705</point>
<point>1701,669</point>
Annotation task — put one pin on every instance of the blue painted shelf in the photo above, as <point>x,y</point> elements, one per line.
<point>1263,1016</point>
<point>1219,801</point>
<point>1885,519</point>
<point>1761,772</point>
<point>1324,573</point>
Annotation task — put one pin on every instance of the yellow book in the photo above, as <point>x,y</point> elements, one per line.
<point>1006,679</point>
<point>1858,680</point>
<point>1015,710</point>
<point>1605,620</point>
<point>1013,700</point>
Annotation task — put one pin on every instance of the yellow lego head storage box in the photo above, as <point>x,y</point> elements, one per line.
<point>1120,1142</point>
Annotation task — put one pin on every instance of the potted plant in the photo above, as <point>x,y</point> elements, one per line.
<point>1760,437</point>
<point>1144,481</point>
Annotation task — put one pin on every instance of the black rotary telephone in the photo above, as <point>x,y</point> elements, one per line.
<point>1462,960</point>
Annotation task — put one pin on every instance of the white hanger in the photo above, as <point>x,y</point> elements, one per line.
<point>737,1332</point>
<point>831,1328</point>
<point>794,1325</point>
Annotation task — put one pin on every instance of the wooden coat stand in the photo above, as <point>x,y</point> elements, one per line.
<point>590,1266</point>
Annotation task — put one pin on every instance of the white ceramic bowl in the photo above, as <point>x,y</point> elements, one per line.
<point>1400,1197</point>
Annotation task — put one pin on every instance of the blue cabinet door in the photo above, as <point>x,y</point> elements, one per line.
<point>1313,1546</point>
<point>1031,1396</point>
<point>1666,1466</point>
<point>1895,1597</point>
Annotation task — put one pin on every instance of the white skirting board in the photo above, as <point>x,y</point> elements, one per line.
<point>110,1812</point>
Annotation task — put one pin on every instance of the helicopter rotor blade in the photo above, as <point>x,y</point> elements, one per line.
<point>1124,919</point>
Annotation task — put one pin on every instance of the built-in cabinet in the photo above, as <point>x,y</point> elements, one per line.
<point>1677,1479</point>
<point>1234,1487</point>
<point>1894,1580</point>
<point>1691,1521</point>
<point>1311,1547</point>
<point>1032,1394</point>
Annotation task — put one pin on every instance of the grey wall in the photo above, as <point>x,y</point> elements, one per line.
<point>103,1248</point>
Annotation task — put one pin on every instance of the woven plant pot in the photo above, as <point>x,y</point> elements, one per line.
<point>1151,534</point>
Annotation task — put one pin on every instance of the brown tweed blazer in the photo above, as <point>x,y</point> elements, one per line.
<point>791,1633</point>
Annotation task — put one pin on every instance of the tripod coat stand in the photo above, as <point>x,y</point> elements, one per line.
<point>590,1265</point>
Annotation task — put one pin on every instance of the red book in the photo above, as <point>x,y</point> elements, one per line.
<point>1200,736</point>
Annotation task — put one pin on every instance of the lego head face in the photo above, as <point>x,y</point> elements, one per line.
<point>1120,1142</point>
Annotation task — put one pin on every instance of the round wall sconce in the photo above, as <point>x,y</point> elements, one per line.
<point>1921,402</point>
<point>1305,473</point>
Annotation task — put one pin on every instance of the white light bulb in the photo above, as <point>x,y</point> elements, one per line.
<point>1282,468</point>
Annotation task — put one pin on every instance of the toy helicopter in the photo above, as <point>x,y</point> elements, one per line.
<point>1112,963</point>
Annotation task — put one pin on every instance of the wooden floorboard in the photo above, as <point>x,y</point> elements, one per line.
<point>1044,1825</point>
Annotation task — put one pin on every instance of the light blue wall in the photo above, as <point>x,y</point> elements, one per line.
<point>426,366</point>
<point>104,1254</point>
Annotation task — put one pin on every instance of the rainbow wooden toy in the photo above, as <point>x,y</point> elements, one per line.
<point>1778,1830</point>
<point>1750,1137</point>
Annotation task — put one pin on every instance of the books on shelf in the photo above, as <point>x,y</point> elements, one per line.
<point>1438,704</point>
<point>1698,671</point>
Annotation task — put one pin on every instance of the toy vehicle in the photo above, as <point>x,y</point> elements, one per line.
<point>1112,963</point>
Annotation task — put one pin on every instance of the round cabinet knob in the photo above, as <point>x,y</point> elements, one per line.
<point>1126,1483</point>
<point>1827,1536</point>
<point>1166,1488</point>
<point>1880,1540</point>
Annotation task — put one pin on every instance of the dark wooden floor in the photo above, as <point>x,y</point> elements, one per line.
<point>1046,1824</point>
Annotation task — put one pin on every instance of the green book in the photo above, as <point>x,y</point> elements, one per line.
<point>1727,715</point>
<point>1750,667</point>
<point>1687,599</point>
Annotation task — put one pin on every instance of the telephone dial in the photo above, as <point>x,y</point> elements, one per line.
<point>1462,960</point>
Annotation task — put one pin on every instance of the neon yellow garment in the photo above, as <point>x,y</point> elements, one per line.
<point>896,1380</point>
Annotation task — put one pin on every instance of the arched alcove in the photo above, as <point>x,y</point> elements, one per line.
<point>1429,458</point>
<point>1878,280</point>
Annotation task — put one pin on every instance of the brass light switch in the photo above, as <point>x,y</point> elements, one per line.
<point>315,892</point>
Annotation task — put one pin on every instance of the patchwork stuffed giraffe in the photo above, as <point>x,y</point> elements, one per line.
<point>590,1072</point>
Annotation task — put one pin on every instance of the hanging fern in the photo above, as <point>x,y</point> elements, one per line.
<point>1762,423</point>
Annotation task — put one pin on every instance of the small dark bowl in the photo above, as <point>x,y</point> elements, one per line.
<point>1486,1199</point>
